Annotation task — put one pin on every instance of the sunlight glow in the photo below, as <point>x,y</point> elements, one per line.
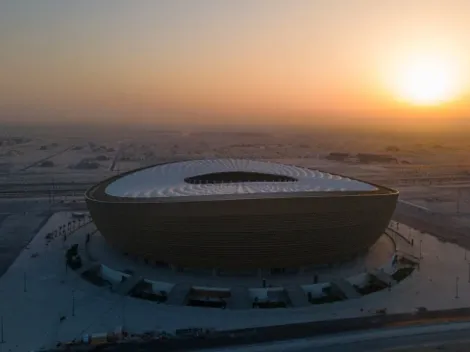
<point>426,80</point>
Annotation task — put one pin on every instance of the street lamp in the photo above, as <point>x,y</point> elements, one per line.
<point>2,338</point>
<point>469,272</point>
<point>73,303</point>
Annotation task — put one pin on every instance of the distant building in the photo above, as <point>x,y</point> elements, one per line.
<point>338,156</point>
<point>375,158</point>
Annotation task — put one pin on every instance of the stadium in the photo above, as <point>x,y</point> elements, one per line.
<point>239,215</point>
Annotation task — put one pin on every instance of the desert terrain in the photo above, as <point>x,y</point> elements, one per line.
<point>46,169</point>
<point>430,169</point>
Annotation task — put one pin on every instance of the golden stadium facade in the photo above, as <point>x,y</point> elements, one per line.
<point>236,214</point>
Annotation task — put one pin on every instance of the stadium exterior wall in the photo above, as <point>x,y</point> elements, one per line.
<point>275,231</point>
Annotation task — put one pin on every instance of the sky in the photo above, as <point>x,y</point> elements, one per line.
<point>225,61</point>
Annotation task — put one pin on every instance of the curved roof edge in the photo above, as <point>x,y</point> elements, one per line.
<point>98,193</point>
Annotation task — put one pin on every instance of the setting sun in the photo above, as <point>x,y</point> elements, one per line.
<point>426,80</point>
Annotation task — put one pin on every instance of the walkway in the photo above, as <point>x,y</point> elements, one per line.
<point>16,231</point>
<point>35,312</point>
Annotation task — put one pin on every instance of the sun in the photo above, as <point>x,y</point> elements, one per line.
<point>425,80</point>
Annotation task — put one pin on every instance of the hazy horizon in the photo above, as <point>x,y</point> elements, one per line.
<point>228,63</point>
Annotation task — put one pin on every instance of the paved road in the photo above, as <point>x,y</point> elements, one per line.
<point>377,340</point>
<point>442,226</point>
<point>13,206</point>
<point>372,333</point>
<point>46,158</point>
<point>16,232</point>
<point>392,339</point>
<point>44,188</point>
<point>20,220</point>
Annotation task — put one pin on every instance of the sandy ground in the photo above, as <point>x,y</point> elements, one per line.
<point>432,171</point>
<point>36,292</point>
<point>419,156</point>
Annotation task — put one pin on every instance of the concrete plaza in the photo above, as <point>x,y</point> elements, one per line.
<point>42,303</point>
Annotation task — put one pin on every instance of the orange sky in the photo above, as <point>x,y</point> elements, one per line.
<point>246,61</point>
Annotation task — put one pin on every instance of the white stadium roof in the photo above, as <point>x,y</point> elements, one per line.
<point>168,180</point>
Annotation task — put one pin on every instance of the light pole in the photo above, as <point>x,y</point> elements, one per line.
<point>53,189</point>
<point>469,272</point>
<point>66,265</point>
<point>457,287</point>
<point>2,339</point>
<point>73,303</point>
